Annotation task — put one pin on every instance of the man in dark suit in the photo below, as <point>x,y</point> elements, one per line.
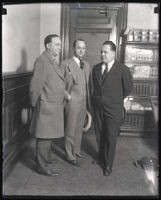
<point>47,93</point>
<point>112,82</point>
<point>77,78</point>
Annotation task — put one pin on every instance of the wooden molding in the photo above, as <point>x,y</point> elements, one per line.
<point>9,75</point>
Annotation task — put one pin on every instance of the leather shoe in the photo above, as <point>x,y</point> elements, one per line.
<point>74,162</point>
<point>54,173</point>
<point>53,161</point>
<point>47,172</point>
<point>97,162</point>
<point>107,171</point>
<point>79,155</point>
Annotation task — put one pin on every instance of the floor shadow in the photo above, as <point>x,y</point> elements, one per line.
<point>152,143</point>
<point>89,144</point>
<point>29,153</point>
<point>58,147</point>
<point>28,157</point>
<point>151,138</point>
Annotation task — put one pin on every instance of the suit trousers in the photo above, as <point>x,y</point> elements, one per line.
<point>75,113</point>
<point>106,129</point>
<point>43,151</point>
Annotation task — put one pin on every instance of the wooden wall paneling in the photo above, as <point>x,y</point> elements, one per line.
<point>17,123</point>
<point>15,133</point>
<point>6,127</point>
<point>13,150</point>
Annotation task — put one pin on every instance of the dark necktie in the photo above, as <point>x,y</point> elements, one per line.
<point>105,71</point>
<point>81,64</point>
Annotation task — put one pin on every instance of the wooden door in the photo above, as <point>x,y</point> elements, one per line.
<point>95,23</point>
<point>94,28</point>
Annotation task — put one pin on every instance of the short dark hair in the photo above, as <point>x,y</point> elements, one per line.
<point>74,43</point>
<point>111,44</point>
<point>48,39</point>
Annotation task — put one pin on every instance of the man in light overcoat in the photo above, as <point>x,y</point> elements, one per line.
<point>47,93</point>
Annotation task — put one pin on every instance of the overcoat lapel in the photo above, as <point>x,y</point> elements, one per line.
<point>55,66</point>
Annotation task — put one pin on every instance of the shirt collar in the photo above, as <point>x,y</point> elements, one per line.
<point>109,65</point>
<point>76,60</point>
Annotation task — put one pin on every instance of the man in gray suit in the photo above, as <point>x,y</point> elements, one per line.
<point>47,93</point>
<point>77,72</point>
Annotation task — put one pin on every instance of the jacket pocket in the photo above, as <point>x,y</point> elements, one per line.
<point>47,107</point>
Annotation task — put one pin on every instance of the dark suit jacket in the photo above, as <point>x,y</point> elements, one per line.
<point>110,92</point>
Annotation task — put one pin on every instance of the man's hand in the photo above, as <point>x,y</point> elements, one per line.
<point>67,96</point>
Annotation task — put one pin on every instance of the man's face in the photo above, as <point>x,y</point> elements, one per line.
<point>79,49</point>
<point>106,54</point>
<point>55,46</point>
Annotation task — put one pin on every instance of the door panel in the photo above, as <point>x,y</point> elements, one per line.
<point>97,19</point>
<point>94,28</point>
<point>93,45</point>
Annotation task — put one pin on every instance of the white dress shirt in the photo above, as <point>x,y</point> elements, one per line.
<point>109,66</point>
<point>77,60</point>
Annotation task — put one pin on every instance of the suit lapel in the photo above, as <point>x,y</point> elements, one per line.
<point>86,72</point>
<point>113,68</point>
<point>55,66</point>
<point>72,68</point>
<point>99,73</point>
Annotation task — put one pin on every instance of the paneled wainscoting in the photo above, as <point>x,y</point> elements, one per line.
<point>14,111</point>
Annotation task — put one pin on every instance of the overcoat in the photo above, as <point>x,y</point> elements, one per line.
<point>47,91</point>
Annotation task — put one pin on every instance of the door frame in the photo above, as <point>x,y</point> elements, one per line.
<point>121,8</point>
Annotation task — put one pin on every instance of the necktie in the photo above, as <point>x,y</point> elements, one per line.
<point>81,64</point>
<point>105,71</point>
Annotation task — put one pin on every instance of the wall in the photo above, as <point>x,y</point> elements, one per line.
<point>49,21</point>
<point>20,37</point>
<point>25,26</point>
<point>23,31</point>
<point>142,16</point>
